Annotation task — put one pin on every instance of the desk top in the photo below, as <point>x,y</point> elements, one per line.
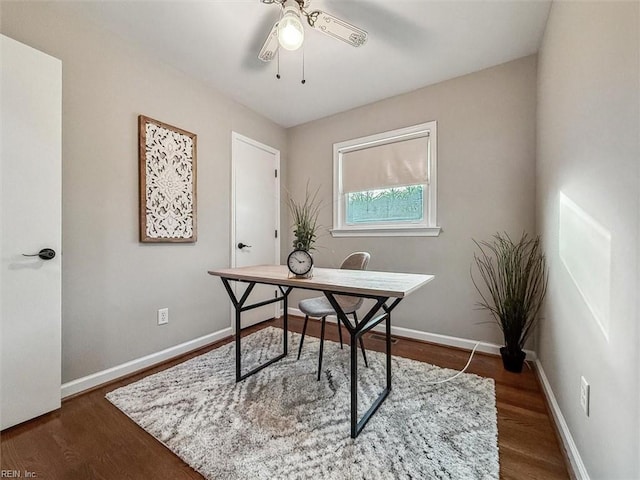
<point>359,282</point>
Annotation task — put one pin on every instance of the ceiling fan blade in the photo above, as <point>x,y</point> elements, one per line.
<point>336,28</point>
<point>270,47</point>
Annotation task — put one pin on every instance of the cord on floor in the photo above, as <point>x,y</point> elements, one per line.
<point>461,371</point>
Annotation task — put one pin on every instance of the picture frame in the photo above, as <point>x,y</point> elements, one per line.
<point>167,190</point>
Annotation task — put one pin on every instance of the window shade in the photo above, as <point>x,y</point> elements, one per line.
<point>385,166</point>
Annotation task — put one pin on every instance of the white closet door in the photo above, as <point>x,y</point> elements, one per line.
<point>30,216</point>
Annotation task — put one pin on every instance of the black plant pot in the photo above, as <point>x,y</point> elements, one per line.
<point>512,361</point>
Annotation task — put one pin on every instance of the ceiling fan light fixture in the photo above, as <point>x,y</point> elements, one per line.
<point>290,28</point>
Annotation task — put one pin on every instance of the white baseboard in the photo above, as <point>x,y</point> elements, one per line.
<point>95,379</point>
<point>579,470</point>
<point>458,342</point>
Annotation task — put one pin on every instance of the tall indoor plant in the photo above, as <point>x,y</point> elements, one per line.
<point>515,278</point>
<point>305,219</point>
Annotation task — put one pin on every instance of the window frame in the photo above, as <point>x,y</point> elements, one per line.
<point>428,225</point>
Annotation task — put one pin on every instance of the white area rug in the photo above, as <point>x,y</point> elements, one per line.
<point>283,424</point>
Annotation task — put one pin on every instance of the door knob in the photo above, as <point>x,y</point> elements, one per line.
<point>242,245</point>
<point>44,254</point>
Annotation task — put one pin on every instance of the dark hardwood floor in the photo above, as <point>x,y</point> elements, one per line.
<point>89,439</point>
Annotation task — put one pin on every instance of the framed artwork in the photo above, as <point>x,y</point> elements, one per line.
<point>167,162</point>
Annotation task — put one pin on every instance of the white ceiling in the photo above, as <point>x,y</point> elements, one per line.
<point>412,43</point>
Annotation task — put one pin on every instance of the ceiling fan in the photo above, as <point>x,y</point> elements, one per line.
<point>288,32</point>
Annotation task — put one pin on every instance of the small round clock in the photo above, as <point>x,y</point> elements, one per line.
<point>300,262</point>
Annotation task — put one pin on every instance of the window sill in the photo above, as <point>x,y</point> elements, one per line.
<point>387,232</point>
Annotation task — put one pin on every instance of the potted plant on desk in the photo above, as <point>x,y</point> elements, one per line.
<point>515,276</point>
<point>305,231</point>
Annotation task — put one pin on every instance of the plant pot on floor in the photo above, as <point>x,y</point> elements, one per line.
<point>512,361</point>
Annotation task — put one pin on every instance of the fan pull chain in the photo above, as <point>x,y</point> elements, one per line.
<point>278,59</point>
<point>303,80</point>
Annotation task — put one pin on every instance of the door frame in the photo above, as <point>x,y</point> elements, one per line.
<point>237,137</point>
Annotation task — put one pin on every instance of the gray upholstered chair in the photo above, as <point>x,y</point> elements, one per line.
<point>319,307</point>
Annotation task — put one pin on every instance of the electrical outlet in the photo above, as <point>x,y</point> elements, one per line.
<point>585,390</point>
<point>163,316</point>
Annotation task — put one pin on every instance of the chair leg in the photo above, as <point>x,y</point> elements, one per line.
<point>340,332</point>
<point>364,355</point>
<point>324,319</point>
<point>304,330</point>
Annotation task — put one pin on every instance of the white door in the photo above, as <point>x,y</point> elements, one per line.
<point>30,215</point>
<point>255,214</point>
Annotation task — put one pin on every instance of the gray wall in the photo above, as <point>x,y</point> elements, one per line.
<point>113,285</point>
<point>486,184</point>
<point>588,148</point>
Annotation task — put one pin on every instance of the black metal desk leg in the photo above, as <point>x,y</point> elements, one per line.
<point>285,316</point>
<point>239,307</point>
<point>388,309</point>
<point>285,322</point>
<point>355,332</point>
<point>238,346</point>
<point>388,327</point>
<point>354,385</point>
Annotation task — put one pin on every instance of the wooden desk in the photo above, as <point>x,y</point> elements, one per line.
<point>378,286</point>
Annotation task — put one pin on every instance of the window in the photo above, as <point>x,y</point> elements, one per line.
<point>385,184</point>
